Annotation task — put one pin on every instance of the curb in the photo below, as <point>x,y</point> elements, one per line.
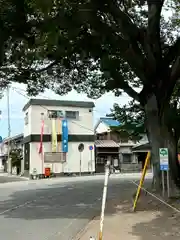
<point>84,230</point>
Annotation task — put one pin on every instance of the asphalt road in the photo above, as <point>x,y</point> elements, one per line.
<point>5,179</point>
<point>52,209</point>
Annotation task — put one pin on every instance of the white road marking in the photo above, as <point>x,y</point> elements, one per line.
<point>29,202</point>
<point>16,207</point>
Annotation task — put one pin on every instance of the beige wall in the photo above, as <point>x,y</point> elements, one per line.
<point>81,126</point>
<point>73,158</point>
<point>27,127</point>
<point>84,125</point>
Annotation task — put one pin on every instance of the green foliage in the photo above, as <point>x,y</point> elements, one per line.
<point>132,119</point>
<point>91,46</point>
<point>16,157</point>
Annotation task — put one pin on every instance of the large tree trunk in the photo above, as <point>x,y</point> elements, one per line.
<point>161,137</point>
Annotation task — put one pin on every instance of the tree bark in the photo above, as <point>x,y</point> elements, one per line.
<point>160,136</point>
<point>153,132</point>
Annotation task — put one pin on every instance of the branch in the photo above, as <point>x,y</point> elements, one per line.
<point>120,83</point>
<point>130,91</point>
<point>175,75</point>
<point>5,68</point>
<point>153,32</point>
<point>47,67</point>
<point>145,93</point>
<point>170,83</point>
<point>175,71</point>
<point>128,28</point>
<point>120,46</point>
<point>173,51</point>
<point>132,35</point>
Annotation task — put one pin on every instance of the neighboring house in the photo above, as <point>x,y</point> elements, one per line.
<point>123,147</point>
<point>12,142</point>
<point>73,119</point>
<point>106,143</point>
<point>141,147</point>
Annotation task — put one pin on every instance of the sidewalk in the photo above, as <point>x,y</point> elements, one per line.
<point>151,221</point>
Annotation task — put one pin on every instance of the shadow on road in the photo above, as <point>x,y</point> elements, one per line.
<point>153,220</point>
<point>82,200</point>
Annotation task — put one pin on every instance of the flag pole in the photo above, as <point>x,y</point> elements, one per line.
<point>59,148</point>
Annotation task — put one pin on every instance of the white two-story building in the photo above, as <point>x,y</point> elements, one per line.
<point>67,125</point>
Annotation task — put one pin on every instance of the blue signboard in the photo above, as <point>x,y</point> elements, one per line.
<point>91,148</point>
<point>1,139</point>
<point>164,167</point>
<point>64,135</point>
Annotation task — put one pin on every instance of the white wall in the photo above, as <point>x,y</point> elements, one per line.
<point>84,125</point>
<point>27,127</point>
<point>73,158</point>
<point>1,157</point>
<point>125,150</point>
<point>144,139</point>
<point>4,149</point>
<point>101,128</point>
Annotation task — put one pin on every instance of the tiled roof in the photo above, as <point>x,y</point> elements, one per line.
<point>110,122</point>
<point>106,144</point>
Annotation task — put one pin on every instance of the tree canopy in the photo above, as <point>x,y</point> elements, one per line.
<point>92,46</point>
<point>97,46</point>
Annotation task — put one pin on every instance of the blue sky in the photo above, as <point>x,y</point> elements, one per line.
<point>18,98</point>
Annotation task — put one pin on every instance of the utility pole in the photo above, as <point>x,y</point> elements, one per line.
<point>9,132</point>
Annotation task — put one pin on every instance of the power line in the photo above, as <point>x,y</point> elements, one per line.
<point>95,110</point>
<point>48,110</point>
<point>20,89</point>
<point>122,96</point>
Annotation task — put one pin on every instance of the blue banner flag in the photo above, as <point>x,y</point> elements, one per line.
<point>64,135</point>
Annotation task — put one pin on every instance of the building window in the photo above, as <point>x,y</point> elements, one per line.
<point>55,114</point>
<point>52,114</point>
<point>26,119</point>
<point>101,137</point>
<point>127,158</point>
<point>101,160</point>
<point>72,114</point>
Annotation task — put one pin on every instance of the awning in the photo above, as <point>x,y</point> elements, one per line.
<point>106,144</point>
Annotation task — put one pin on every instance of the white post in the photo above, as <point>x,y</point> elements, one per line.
<point>163,184</point>
<point>168,187</point>
<point>91,163</point>
<point>80,160</point>
<point>9,133</point>
<point>107,171</point>
<point>42,153</point>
